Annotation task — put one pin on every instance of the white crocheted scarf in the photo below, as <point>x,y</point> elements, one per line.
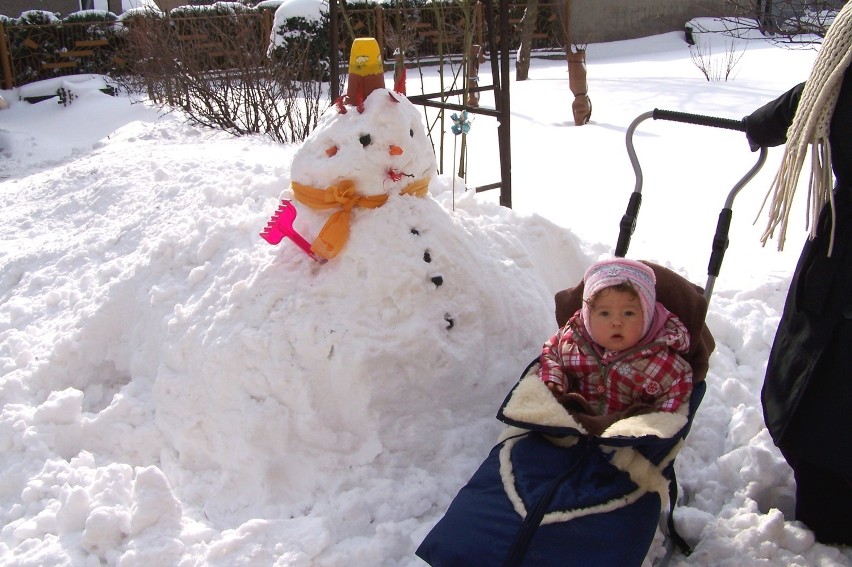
<point>810,130</point>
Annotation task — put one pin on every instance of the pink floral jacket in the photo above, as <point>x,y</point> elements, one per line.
<point>651,373</point>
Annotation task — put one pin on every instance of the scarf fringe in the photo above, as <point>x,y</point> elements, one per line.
<point>809,131</point>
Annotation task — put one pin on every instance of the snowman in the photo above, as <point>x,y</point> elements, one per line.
<point>369,146</point>
<point>311,382</point>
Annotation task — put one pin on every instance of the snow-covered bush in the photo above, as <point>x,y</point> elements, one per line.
<point>299,35</point>
<point>136,16</point>
<point>89,16</point>
<point>37,18</point>
<point>215,9</point>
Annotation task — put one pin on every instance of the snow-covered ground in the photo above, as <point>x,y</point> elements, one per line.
<point>176,391</point>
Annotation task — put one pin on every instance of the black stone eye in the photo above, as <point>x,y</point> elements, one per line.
<point>365,140</point>
<point>411,133</point>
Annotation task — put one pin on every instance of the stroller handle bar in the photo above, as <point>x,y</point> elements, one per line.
<point>698,119</point>
<point>723,225</point>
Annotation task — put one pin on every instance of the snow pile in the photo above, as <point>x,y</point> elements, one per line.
<point>168,371</point>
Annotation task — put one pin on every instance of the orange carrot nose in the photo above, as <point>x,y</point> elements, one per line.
<point>395,151</point>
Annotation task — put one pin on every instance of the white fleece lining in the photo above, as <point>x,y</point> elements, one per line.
<point>661,424</point>
<point>532,402</point>
<point>507,474</point>
<point>614,504</point>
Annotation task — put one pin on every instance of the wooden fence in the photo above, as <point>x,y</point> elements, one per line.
<point>434,30</point>
<point>35,52</point>
<point>31,53</point>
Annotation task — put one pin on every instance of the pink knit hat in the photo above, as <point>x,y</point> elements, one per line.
<point>614,271</point>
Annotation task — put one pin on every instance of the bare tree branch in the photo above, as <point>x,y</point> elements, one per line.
<point>216,70</point>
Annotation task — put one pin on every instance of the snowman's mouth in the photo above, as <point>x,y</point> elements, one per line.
<point>395,175</point>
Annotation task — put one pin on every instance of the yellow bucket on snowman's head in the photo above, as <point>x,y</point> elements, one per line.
<point>366,70</point>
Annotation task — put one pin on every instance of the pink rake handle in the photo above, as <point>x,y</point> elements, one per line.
<point>281,225</point>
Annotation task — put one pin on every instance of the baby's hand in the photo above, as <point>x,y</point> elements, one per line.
<point>571,401</point>
<point>575,402</point>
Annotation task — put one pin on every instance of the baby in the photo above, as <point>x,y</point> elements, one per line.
<point>620,354</point>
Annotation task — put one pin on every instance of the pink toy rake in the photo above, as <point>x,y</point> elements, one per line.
<point>281,225</point>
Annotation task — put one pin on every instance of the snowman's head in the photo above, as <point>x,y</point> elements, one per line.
<point>380,146</point>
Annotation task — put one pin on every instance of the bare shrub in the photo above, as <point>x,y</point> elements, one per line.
<point>218,71</point>
<point>716,67</point>
<point>400,31</point>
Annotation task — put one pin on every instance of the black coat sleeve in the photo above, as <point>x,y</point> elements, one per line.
<point>767,126</point>
<point>840,135</point>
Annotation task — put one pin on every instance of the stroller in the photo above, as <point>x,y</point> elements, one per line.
<point>550,495</point>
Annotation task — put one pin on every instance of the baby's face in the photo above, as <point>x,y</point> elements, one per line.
<point>616,319</point>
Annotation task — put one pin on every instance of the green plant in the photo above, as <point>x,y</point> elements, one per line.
<point>65,96</point>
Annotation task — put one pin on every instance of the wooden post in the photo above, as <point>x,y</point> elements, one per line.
<point>266,29</point>
<point>380,30</point>
<point>476,56</point>
<point>399,72</point>
<point>473,75</point>
<point>334,41</point>
<point>582,105</point>
<point>477,19</point>
<point>8,78</point>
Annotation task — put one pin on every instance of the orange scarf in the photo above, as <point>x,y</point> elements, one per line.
<point>335,232</point>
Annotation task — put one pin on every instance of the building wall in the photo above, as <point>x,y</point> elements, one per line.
<point>14,8</point>
<point>596,21</point>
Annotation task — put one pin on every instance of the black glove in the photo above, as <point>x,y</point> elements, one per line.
<point>752,144</point>
<point>767,126</point>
